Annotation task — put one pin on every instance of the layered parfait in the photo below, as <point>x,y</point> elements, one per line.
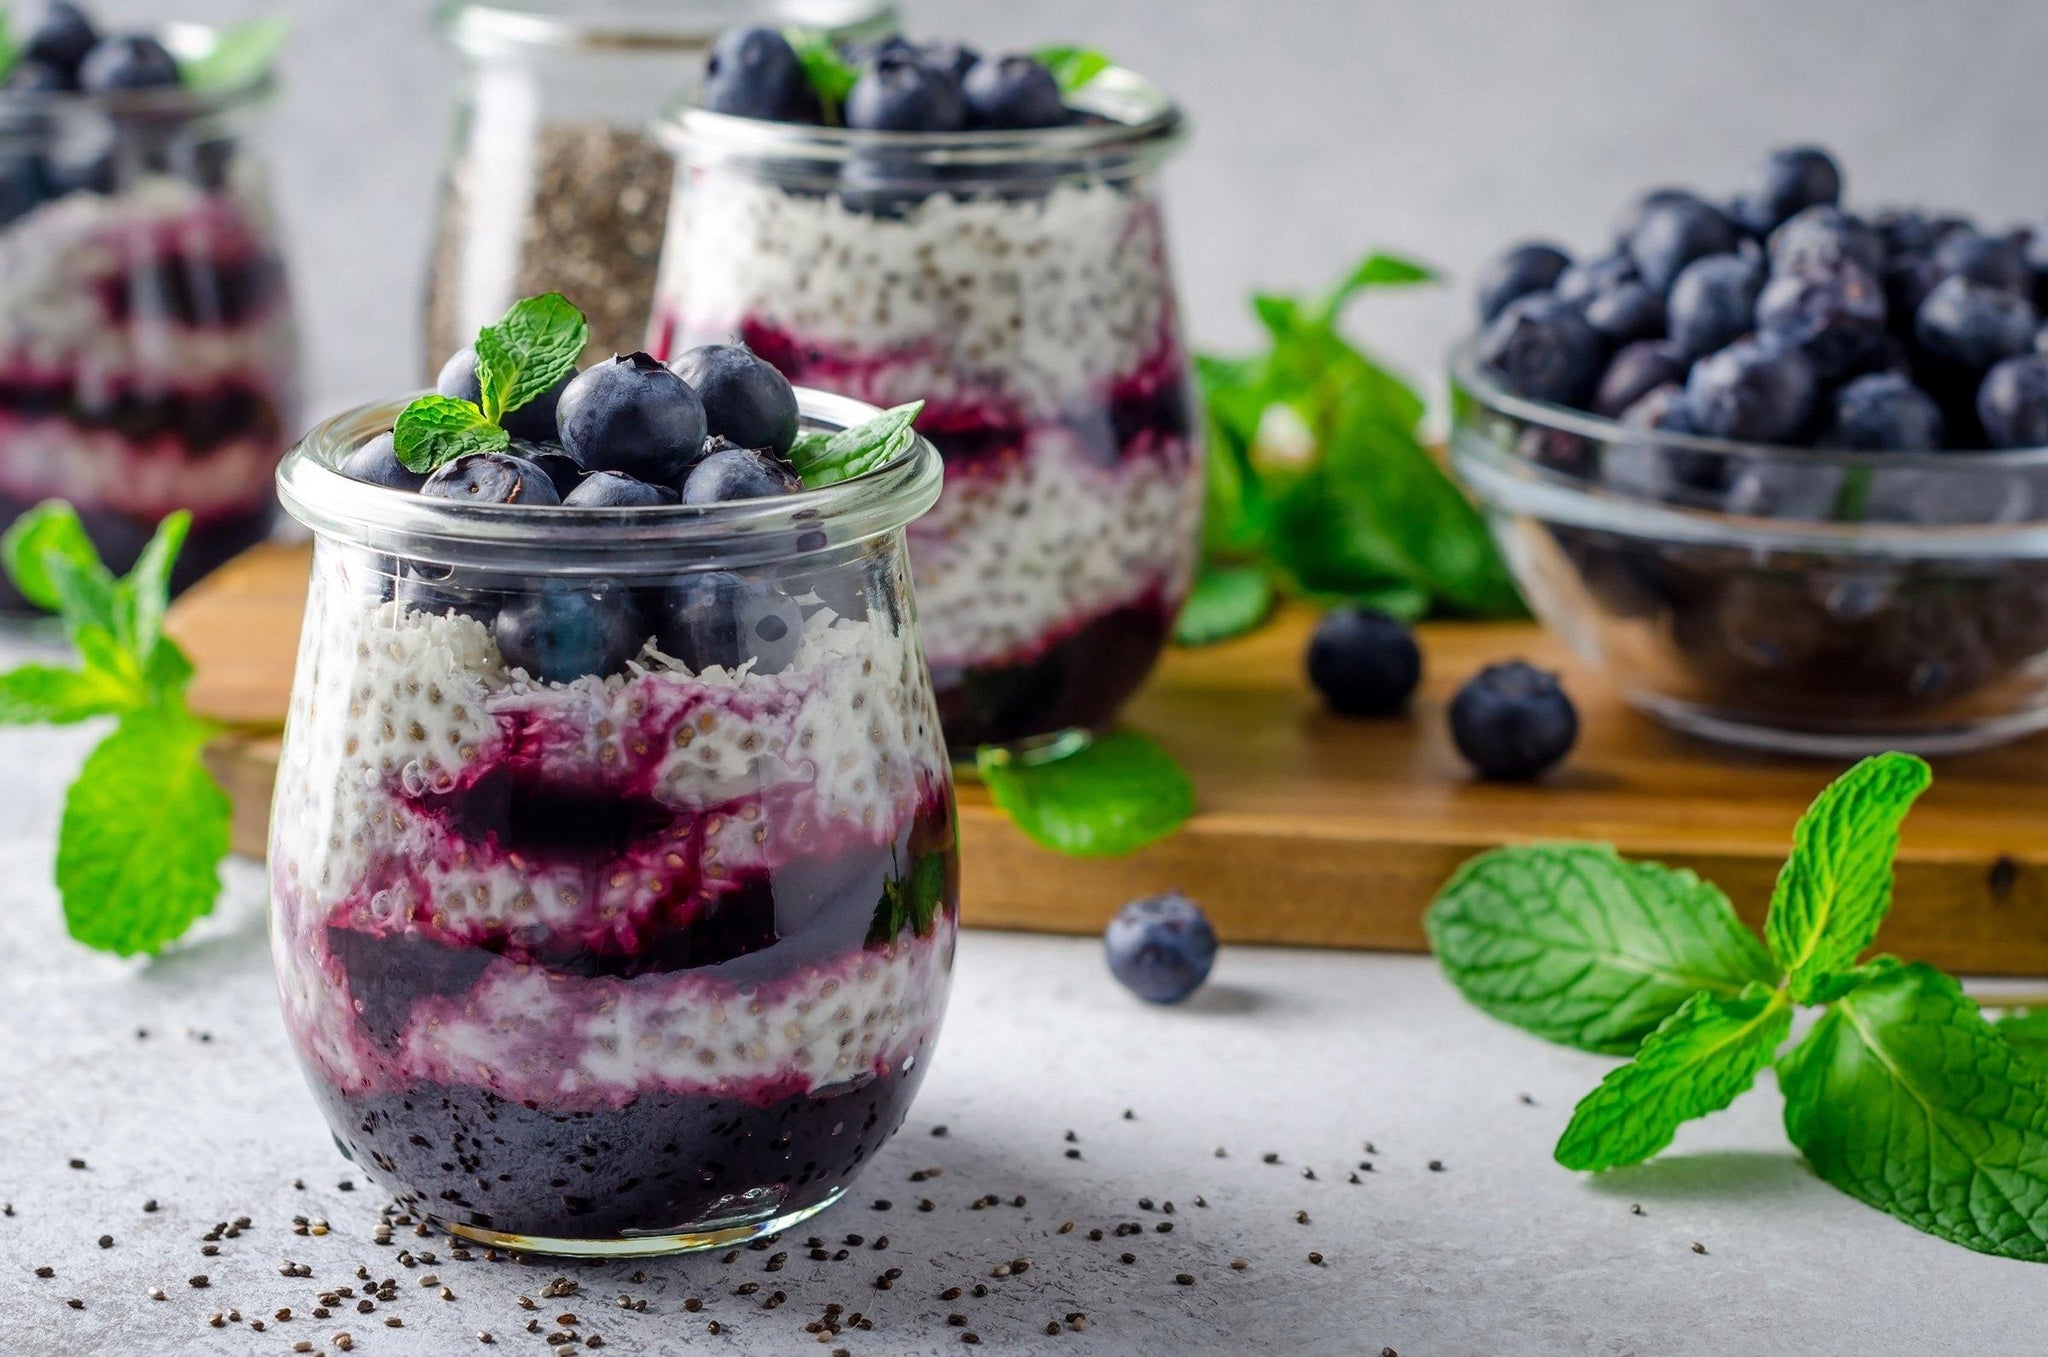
<point>146,348</point>
<point>965,230</point>
<point>612,856</point>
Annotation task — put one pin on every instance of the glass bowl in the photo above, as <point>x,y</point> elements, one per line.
<point>1799,600</point>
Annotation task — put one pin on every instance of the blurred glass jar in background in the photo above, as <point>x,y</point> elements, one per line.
<point>148,359</point>
<point>555,182</point>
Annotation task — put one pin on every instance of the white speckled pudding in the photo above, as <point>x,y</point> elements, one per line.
<point>636,961</point>
<point>1031,306</point>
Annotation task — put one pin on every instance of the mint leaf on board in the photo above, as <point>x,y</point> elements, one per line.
<point>240,55</point>
<point>52,530</point>
<point>1699,1060</point>
<point>2026,1028</point>
<point>1226,601</point>
<point>1836,887</point>
<point>40,694</point>
<point>824,459</point>
<point>435,430</point>
<point>521,357</point>
<point>1576,945</point>
<point>144,830</point>
<point>1116,795</point>
<point>1073,68</point>
<point>830,73</point>
<point>1906,1098</point>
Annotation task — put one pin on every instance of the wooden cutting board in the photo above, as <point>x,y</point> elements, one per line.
<point>1317,830</point>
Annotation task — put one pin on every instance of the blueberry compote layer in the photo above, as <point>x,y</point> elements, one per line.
<point>647,953</point>
<point>1041,331</point>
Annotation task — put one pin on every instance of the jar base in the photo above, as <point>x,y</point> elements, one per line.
<point>1959,737</point>
<point>640,1246</point>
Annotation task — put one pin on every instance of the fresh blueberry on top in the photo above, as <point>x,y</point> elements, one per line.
<point>1884,412</point>
<point>36,77</point>
<point>1817,239</point>
<point>1635,371</point>
<point>616,490</point>
<point>377,462</point>
<point>61,40</point>
<point>902,92</point>
<point>1662,408</point>
<point>1590,277</point>
<point>631,414</point>
<point>560,632</point>
<point>1713,302</point>
<point>2012,404</point>
<point>1907,279</point>
<point>1363,662</point>
<point>1753,391</point>
<point>1995,261</point>
<point>956,58</point>
<point>533,421</point>
<point>491,478</point>
<point>755,73</point>
<point>1544,348</point>
<point>746,401</point>
<point>563,471</point>
<point>1632,216</point>
<point>718,618</point>
<point>1905,231</point>
<point>24,186</point>
<point>1672,233</point>
<point>1518,271</point>
<point>733,473</point>
<point>131,63</point>
<point>1013,91</point>
<point>1836,317</point>
<point>1626,312</point>
<point>1513,721</point>
<point>1160,948</point>
<point>1972,325</point>
<point>1794,179</point>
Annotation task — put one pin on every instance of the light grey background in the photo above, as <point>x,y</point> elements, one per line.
<point>1323,127</point>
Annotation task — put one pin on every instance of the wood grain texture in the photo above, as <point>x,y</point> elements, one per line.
<point>1317,830</point>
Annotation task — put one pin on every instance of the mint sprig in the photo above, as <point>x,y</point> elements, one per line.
<point>830,73</point>
<point>1903,1094</point>
<point>822,458</point>
<point>1073,68</point>
<point>1226,601</point>
<point>1115,795</point>
<point>240,55</point>
<point>145,825</point>
<point>531,348</point>
<point>10,51</point>
<point>910,900</point>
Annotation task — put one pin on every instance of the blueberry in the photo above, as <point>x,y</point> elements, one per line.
<point>439,590</point>
<point>1905,231</point>
<point>491,478</point>
<point>61,40</point>
<point>1837,317</point>
<point>1908,278</point>
<point>1971,325</point>
<point>1994,261</point>
<point>1590,277</point>
<point>130,63</point>
<point>616,490</point>
<point>1363,662</point>
<point>1635,371</point>
<point>1884,412</point>
<point>733,473</point>
<point>24,186</point>
<point>717,618</point>
<point>1517,271</point>
<point>377,462</point>
<point>881,185</point>
<point>1794,179</point>
<point>1754,392</point>
<point>1625,313</point>
<point>1661,408</point>
<point>1011,92</point>
<point>1632,216</point>
<point>955,57</point>
<point>561,632</point>
<point>1713,302</point>
<point>1543,348</point>
<point>1820,238</point>
<point>755,73</point>
<point>533,421</point>
<point>902,92</point>
<point>1672,233</point>
<point>745,399</point>
<point>2012,404</point>
<point>563,471</point>
<point>632,415</point>
<point>1160,948</point>
<point>1513,721</point>
<point>36,77</point>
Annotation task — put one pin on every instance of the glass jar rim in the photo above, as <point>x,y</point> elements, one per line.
<point>484,27</point>
<point>646,539</point>
<point>185,41</point>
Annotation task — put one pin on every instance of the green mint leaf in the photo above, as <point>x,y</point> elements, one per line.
<point>52,530</point>
<point>830,73</point>
<point>1376,270</point>
<point>240,55</point>
<point>37,694</point>
<point>144,830</point>
<point>1226,601</point>
<point>823,459</point>
<point>1577,945</point>
<point>1699,1060</point>
<point>911,902</point>
<point>2026,1028</point>
<point>1072,67</point>
<point>142,599</point>
<point>9,52</point>
<point>1905,1098</point>
<point>527,352</point>
<point>1118,794</point>
<point>88,597</point>
<point>1836,887</point>
<point>435,430</point>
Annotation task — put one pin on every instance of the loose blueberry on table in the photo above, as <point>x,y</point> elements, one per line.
<point>1160,948</point>
<point>1363,662</point>
<point>1513,721</point>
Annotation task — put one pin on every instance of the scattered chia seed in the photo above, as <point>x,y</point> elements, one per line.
<point>1184,1278</point>
<point>1239,1264</point>
<point>980,1290</point>
<point>1073,1154</point>
<point>157,1293</point>
<point>78,1163</point>
<point>1301,1217</point>
<point>106,1241</point>
<point>924,1204</point>
<point>149,1206</point>
<point>46,1271</point>
<point>1698,1247</point>
<point>950,1293</point>
<point>1052,1327</point>
<point>1129,1257</point>
<point>1528,1101</point>
<point>880,1204</point>
<point>1269,1158</point>
<point>1164,1227</point>
<point>1066,1227</point>
<point>1130,1115</point>
<point>1436,1166</point>
<point>198,1282</point>
<point>970,1338</point>
<point>938,1130</point>
<point>1309,1174</point>
<point>1637,1210</point>
<point>1315,1258</point>
<point>77,1304</point>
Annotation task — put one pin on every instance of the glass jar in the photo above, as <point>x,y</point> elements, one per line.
<point>555,182</point>
<point>1018,283</point>
<point>148,359</point>
<point>612,859</point>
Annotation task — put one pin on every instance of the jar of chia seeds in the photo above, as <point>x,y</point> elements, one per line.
<point>148,360</point>
<point>555,182</point>
<point>642,946</point>
<point>1018,282</point>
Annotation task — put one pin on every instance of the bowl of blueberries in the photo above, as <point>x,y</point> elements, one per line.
<point>1779,468</point>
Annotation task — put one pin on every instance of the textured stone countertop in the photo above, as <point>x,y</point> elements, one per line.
<point>1463,1237</point>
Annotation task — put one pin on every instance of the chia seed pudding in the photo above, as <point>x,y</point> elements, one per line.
<point>147,353</point>
<point>1018,281</point>
<point>631,948</point>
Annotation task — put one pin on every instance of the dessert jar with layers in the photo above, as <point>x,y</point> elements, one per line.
<point>635,940</point>
<point>148,360</point>
<point>1018,282</point>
